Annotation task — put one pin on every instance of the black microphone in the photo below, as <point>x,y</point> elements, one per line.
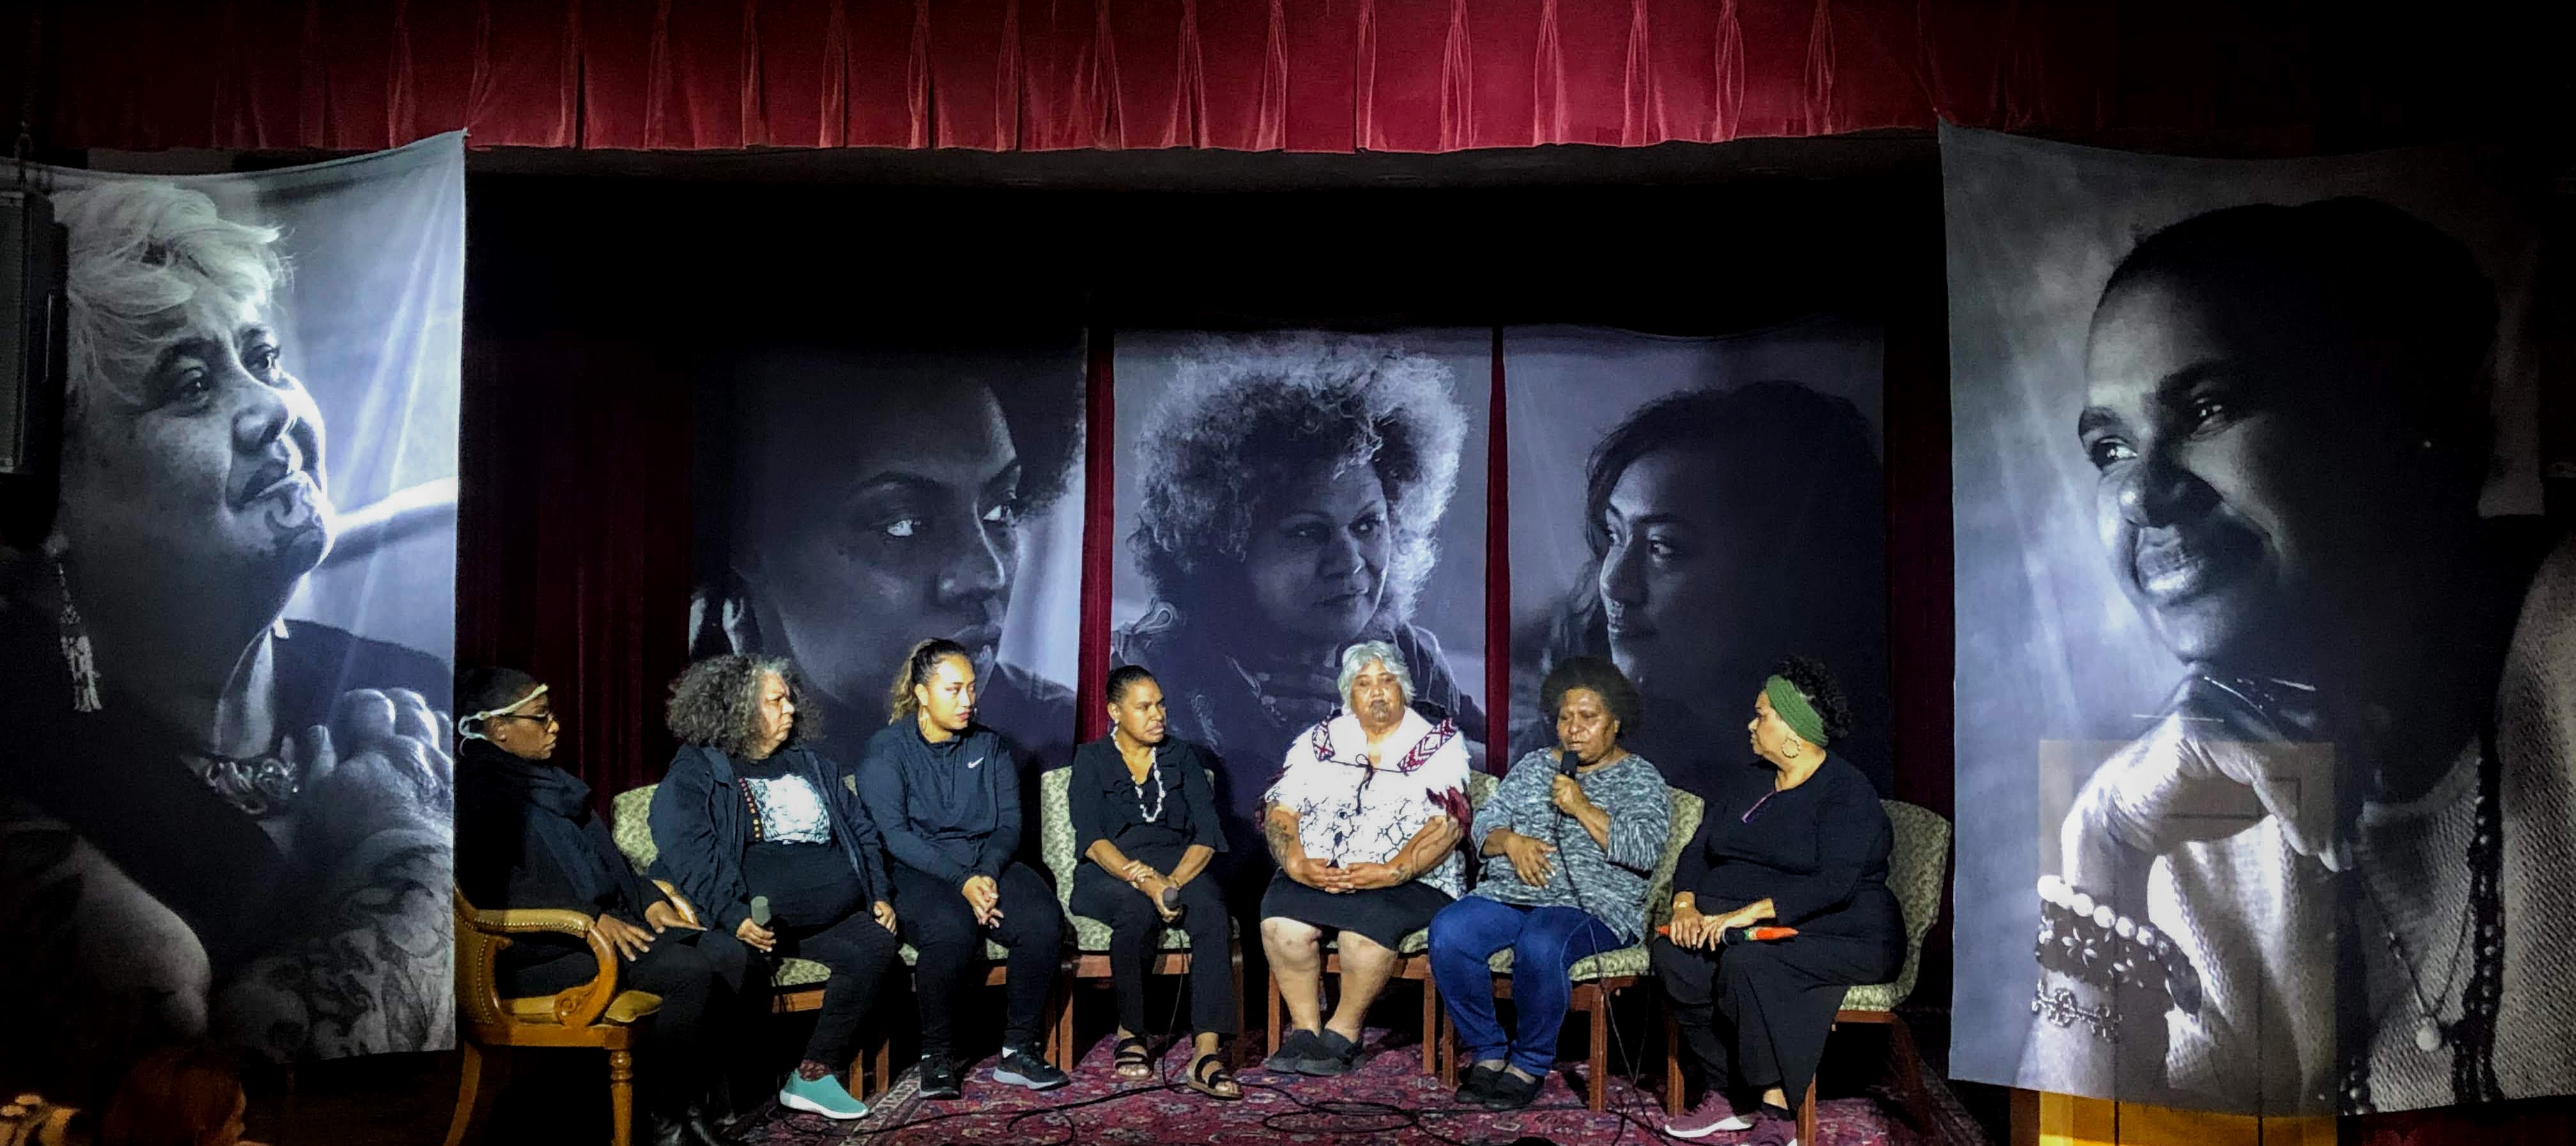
<point>760,911</point>
<point>1565,761</point>
<point>1171,898</point>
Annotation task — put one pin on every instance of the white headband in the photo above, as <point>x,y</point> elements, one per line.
<point>478,718</point>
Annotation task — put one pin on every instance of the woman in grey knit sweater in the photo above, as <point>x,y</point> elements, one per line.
<point>1568,840</point>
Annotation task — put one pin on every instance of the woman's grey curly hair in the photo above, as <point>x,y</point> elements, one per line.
<point>716,702</point>
<point>1250,414</point>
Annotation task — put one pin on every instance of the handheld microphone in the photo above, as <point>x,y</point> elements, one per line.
<point>1565,761</point>
<point>1740,934</point>
<point>1171,899</point>
<point>760,911</point>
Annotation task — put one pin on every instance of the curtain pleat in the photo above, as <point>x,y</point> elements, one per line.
<point>1295,75</point>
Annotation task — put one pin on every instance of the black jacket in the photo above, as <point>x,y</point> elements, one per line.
<point>951,809</point>
<point>526,837</point>
<point>700,828</point>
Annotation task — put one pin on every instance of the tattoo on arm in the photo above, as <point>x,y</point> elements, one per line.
<point>1279,826</point>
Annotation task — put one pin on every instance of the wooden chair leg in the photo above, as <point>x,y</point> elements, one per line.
<point>1598,1014</point>
<point>621,1098</point>
<point>1060,1033</point>
<point>1807,1115</point>
<point>885,1062</point>
<point>1272,1034</point>
<point>1430,1025</point>
<point>475,1092</point>
<point>1673,1065</point>
<point>1448,1052</point>
<point>1909,1072</point>
<point>1235,961</point>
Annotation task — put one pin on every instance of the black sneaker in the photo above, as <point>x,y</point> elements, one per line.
<point>1332,1055</point>
<point>1294,1049</point>
<point>1026,1068</point>
<point>1478,1083</point>
<point>938,1079</point>
<point>1511,1091</point>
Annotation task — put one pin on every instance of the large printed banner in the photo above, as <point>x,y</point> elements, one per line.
<point>225,792</point>
<point>2265,709</point>
<point>1696,509</point>
<point>1281,497</point>
<point>868,495</point>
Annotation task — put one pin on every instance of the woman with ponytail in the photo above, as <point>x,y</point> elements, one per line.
<point>943,791</point>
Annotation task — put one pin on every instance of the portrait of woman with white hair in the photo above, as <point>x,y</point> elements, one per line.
<point>214,821</point>
<point>1292,491</point>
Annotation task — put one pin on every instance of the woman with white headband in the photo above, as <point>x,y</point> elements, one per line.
<point>527,835</point>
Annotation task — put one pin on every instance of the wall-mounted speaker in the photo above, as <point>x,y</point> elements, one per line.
<point>32,260</point>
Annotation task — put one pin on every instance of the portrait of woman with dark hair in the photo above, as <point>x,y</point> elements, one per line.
<point>1725,528</point>
<point>2287,410</point>
<point>215,821</point>
<point>878,495</point>
<point>1292,487</point>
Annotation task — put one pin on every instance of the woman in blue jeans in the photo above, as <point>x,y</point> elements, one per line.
<point>1568,841</point>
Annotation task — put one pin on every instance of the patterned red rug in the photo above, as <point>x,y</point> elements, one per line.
<point>1388,1100</point>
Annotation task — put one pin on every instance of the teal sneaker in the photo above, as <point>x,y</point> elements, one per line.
<point>824,1096</point>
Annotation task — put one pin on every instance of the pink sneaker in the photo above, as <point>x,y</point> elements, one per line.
<point>1714,1114</point>
<point>1772,1130</point>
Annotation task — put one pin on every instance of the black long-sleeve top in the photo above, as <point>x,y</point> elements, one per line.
<point>1818,851</point>
<point>701,826</point>
<point>526,836</point>
<point>950,809</point>
<point>1105,803</point>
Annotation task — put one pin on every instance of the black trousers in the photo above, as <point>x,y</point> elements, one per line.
<point>1134,926</point>
<point>1754,1015</point>
<point>698,974</point>
<point>941,928</point>
<point>859,950</point>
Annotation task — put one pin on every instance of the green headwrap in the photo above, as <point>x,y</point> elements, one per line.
<point>1794,711</point>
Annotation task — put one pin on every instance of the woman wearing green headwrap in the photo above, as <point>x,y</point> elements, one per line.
<point>1798,841</point>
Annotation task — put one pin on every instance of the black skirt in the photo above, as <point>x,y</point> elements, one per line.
<point>1384,914</point>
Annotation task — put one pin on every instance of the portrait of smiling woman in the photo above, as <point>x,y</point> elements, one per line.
<point>219,819</point>
<point>1289,502</point>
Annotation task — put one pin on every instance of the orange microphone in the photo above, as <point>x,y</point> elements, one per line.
<point>1739,934</point>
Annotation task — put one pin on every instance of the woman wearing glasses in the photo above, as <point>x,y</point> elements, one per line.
<point>528,836</point>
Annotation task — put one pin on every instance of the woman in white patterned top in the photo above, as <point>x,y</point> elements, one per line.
<point>1364,823</point>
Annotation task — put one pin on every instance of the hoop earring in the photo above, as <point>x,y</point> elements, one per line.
<point>1789,748</point>
<point>76,649</point>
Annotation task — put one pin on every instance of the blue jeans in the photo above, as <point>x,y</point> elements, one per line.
<point>1545,942</point>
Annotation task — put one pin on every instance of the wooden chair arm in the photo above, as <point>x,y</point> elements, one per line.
<point>575,1007</point>
<point>688,911</point>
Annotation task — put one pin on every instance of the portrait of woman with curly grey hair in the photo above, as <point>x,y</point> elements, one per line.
<point>220,818</point>
<point>1289,502</point>
<point>878,494</point>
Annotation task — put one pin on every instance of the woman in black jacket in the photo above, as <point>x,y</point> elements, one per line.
<point>527,837</point>
<point>1797,842</point>
<point>772,843</point>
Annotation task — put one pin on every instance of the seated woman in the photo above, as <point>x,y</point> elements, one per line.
<point>527,836</point>
<point>1551,895</point>
<point>1144,815</point>
<point>1799,843</point>
<point>1364,823</point>
<point>942,788</point>
<point>772,843</point>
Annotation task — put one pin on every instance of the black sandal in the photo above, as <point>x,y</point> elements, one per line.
<point>1132,1054</point>
<point>1206,1081</point>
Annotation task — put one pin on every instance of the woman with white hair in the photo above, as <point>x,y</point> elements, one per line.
<point>1364,823</point>
<point>190,754</point>
<point>1292,488</point>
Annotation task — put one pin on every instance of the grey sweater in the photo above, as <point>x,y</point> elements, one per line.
<point>1612,883</point>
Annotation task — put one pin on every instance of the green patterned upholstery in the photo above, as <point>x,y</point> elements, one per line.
<point>1055,845</point>
<point>1914,873</point>
<point>1632,960</point>
<point>629,823</point>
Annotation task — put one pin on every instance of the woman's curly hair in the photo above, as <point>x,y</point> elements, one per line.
<point>1825,694</point>
<point>1618,693</point>
<point>716,702</point>
<point>1252,414</point>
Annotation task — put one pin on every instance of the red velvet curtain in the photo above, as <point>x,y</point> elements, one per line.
<point>1295,75</point>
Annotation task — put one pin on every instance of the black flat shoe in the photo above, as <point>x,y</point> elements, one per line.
<point>1294,1049</point>
<point>1478,1084</point>
<point>1333,1055</point>
<point>1511,1091</point>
